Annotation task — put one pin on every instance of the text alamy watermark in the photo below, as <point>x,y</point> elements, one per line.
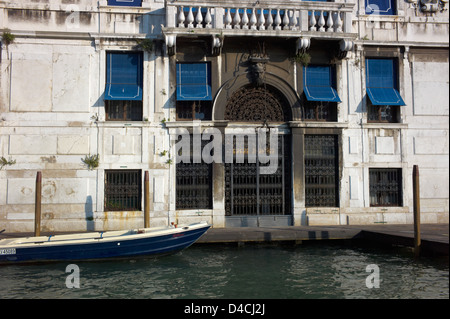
<point>258,145</point>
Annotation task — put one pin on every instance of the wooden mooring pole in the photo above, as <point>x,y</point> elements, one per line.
<point>146,200</point>
<point>37,205</point>
<point>416,199</point>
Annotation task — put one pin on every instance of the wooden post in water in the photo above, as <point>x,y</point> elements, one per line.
<point>37,205</point>
<point>416,199</point>
<point>146,201</point>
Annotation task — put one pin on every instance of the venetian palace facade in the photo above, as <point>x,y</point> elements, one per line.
<point>94,94</point>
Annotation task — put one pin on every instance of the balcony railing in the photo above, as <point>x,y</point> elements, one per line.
<point>271,18</point>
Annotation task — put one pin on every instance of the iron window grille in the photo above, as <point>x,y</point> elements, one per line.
<point>194,110</point>
<point>321,171</point>
<point>123,110</point>
<point>320,111</point>
<point>193,183</point>
<point>385,186</point>
<point>123,190</point>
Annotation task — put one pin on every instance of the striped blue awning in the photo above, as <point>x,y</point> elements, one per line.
<point>126,3</point>
<point>381,82</point>
<point>124,76</point>
<point>380,7</point>
<point>193,82</point>
<point>319,84</point>
<point>385,96</point>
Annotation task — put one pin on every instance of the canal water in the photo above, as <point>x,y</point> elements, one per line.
<point>252,271</point>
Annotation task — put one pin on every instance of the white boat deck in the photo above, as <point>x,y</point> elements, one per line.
<point>91,237</point>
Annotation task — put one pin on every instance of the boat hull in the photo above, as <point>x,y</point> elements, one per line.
<point>103,247</point>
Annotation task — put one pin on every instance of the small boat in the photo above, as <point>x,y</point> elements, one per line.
<point>101,245</point>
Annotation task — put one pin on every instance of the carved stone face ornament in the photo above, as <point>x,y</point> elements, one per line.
<point>257,67</point>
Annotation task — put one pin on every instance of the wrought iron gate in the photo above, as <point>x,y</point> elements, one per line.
<point>255,199</point>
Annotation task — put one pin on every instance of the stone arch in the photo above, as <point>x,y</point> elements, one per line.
<point>276,87</point>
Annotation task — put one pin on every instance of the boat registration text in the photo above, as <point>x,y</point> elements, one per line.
<point>8,251</point>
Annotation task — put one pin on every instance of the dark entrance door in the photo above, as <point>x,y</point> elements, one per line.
<point>252,198</point>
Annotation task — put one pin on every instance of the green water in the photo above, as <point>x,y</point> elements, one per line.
<point>285,272</point>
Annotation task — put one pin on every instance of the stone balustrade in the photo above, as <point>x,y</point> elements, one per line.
<point>283,17</point>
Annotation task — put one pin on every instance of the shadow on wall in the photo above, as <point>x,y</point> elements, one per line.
<point>89,213</point>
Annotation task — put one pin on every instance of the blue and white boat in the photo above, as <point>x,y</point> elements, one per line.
<point>101,245</point>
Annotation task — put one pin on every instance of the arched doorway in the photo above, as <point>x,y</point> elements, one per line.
<point>254,198</point>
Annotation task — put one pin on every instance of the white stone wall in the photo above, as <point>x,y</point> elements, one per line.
<point>428,132</point>
<point>52,114</point>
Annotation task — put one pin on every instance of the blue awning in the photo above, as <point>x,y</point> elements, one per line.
<point>385,96</point>
<point>380,7</point>
<point>318,81</point>
<point>124,76</point>
<point>127,3</point>
<point>381,82</point>
<point>193,82</point>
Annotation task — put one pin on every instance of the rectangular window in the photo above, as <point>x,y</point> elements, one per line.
<point>381,7</point>
<point>321,171</point>
<point>382,90</point>
<point>383,113</point>
<point>124,82</point>
<point>385,186</point>
<point>193,183</point>
<point>126,3</point>
<point>320,93</point>
<point>123,110</point>
<point>320,111</point>
<point>123,190</point>
<point>194,110</point>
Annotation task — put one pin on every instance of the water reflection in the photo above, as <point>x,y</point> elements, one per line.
<point>309,271</point>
